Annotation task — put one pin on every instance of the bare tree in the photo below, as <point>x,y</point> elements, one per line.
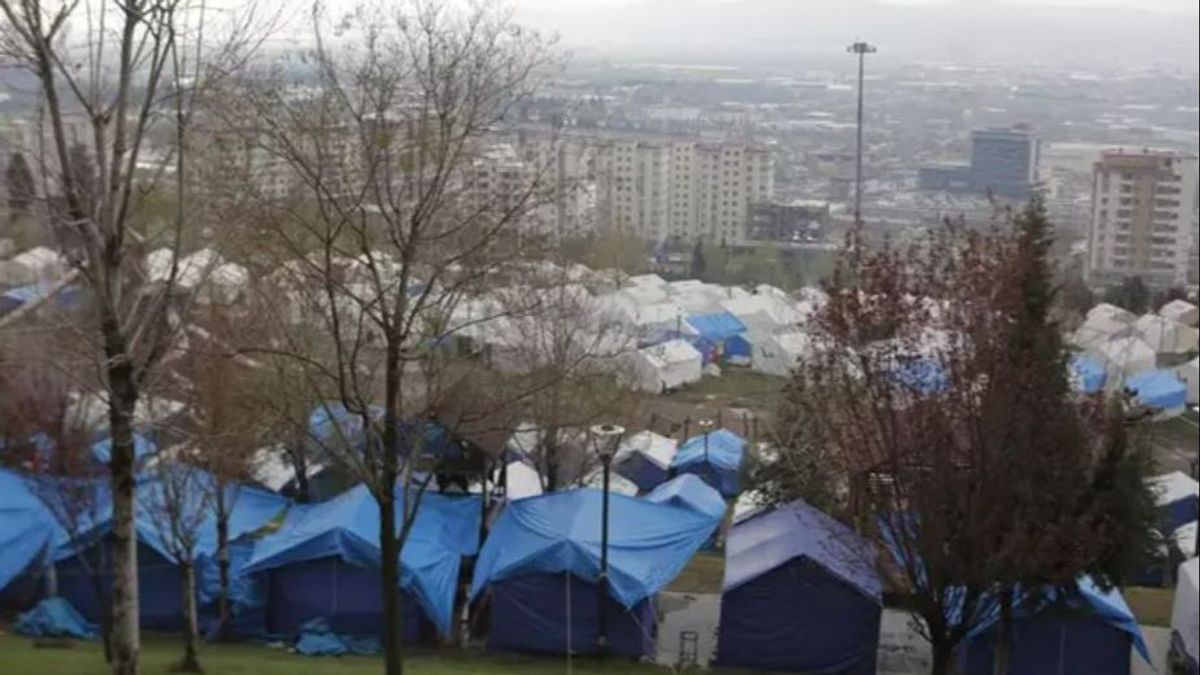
<point>383,228</point>
<point>121,70</point>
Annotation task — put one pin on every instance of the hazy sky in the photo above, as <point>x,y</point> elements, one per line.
<point>1169,6</point>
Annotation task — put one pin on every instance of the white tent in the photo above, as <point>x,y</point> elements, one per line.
<point>763,310</point>
<point>777,355</point>
<point>1112,313</point>
<point>1190,373</point>
<point>1124,357</point>
<point>648,281</point>
<point>617,484</point>
<point>1181,311</point>
<point>1184,539</point>
<point>1185,614</point>
<point>1173,487</point>
<point>39,264</point>
<point>654,447</point>
<point>667,366</point>
<point>1099,328</point>
<point>521,480</point>
<point>1166,336</point>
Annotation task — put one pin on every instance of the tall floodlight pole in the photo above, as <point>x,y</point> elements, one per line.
<point>862,49</point>
<point>607,438</point>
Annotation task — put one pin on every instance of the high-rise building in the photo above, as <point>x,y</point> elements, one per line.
<point>1143,221</point>
<point>1004,161</point>
<point>681,188</point>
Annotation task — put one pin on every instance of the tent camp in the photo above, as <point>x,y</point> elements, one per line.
<point>1180,311</point>
<point>716,457</point>
<point>25,530</point>
<point>645,458</point>
<point>1183,540</point>
<point>323,563</point>
<point>689,492</point>
<point>1087,374</point>
<point>1190,374</point>
<point>1166,336</point>
<point>37,265</point>
<point>1124,357</point>
<point>666,366</point>
<point>778,354</point>
<point>1112,312</point>
<point>1185,618</point>
<point>521,480</point>
<point>1100,328</point>
<point>1082,632</point>
<point>800,594</point>
<point>541,563</point>
<point>1177,496</point>
<point>1160,390</point>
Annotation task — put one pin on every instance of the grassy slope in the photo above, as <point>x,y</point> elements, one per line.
<point>19,656</point>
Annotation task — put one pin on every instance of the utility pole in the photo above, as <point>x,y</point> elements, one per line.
<point>862,49</point>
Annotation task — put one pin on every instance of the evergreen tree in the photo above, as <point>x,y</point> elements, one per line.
<point>1131,294</point>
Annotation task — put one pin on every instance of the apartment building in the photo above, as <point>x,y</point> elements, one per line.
<point>1143,222</point>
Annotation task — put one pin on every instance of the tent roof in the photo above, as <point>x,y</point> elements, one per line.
<point>672,351</point>
<point>522,481</point>
<point>716,326</point>
<point>657,448</point>
<point>1110,311</point>
<point>1173,487</point>
<point>1089,371</point>
<point>724,449</point>
<point>763,543</point>
<point>1160,389</point>
<point>690,491</point>
<point>1179,310</point>
<point>1184,537</point>
<point>649,544</point>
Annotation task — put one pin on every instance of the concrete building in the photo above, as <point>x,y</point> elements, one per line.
<point>1143,217</point>
<point>682,188</point>
<point>1004,161</point>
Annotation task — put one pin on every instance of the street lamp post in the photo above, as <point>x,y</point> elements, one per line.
<point>706,427</point>
<point>862,49</point>
<point>606,438</point>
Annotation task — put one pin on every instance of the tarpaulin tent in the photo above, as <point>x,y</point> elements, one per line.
<point>690,492</point>
<point>1185,616</point>
<point>779,354</point>
<point>143,448</point>
<point>1083,631</point>
<point>800,593</point>
<point>667,366</point>
<point>1180,311</point>
<point>1166,336</point>
<point>324,562</point>
<point>1125,356</point>
<point>24,535</point>
<point>1190,374</point>
<point>1159,389</point>
<point>715,457</point>
<point>1087,374</point>
<point>542,561</point>
<point>1178,498</point>
<point>159,577</point>
<point>717,326</point>
<point>54,617</point>
<point>645,458</point>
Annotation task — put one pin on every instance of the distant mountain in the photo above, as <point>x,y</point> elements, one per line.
<point>967,31</point>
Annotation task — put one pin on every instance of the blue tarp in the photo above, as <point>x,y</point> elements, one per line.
<point>54,617</point>
<point>143,447</point>
<point>333,428</point>
<point>1159,389</point>
<point>1084,631</point>
<point>68,297</point>
<point>317,638</point>
<point>800,593</point>
<point>560,533</point>
<point>25,528</point>
<point>717,327</point>
<point>532,613</point>
<point>738,347</point>
<point>715,457</point>
<point>921,375</point>
<point>1088,373</point>
<point>689,492</point>
<point>347,528</point>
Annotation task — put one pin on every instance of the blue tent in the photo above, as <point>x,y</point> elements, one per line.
<point>1159,389</point>
<point>690,492</point>
<point>159,579</point>
<point>645,459</point>
<point>738,347</point>
<point>1083,631</point>
<point>67,297</point>
<point>1177,497</point>
<point>716,457</point>
<point>1088,373</point>
<point>800,593</point>
<point>143,447</point>
<point>332,427</point>
<point>25,532</point>
<point>716,327</point>
<point>542,563</point>
<point>324,561</point>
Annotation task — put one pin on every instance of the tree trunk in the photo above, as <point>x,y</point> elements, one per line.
<point>126,640</point>
<point>300,465</point>
<point>1002,653</point>
<point>943,658</point>
<point>389,580</point>
<point>191,624</point>
<point>550,449</point>
<point>222,564</point>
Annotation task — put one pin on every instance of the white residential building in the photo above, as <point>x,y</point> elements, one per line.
<point>1142,217</point>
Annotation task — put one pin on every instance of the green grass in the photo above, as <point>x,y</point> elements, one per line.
<point>19,656</point>
<point>1151,606</point>
<point>738,387</point>
<point>703,574</point>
